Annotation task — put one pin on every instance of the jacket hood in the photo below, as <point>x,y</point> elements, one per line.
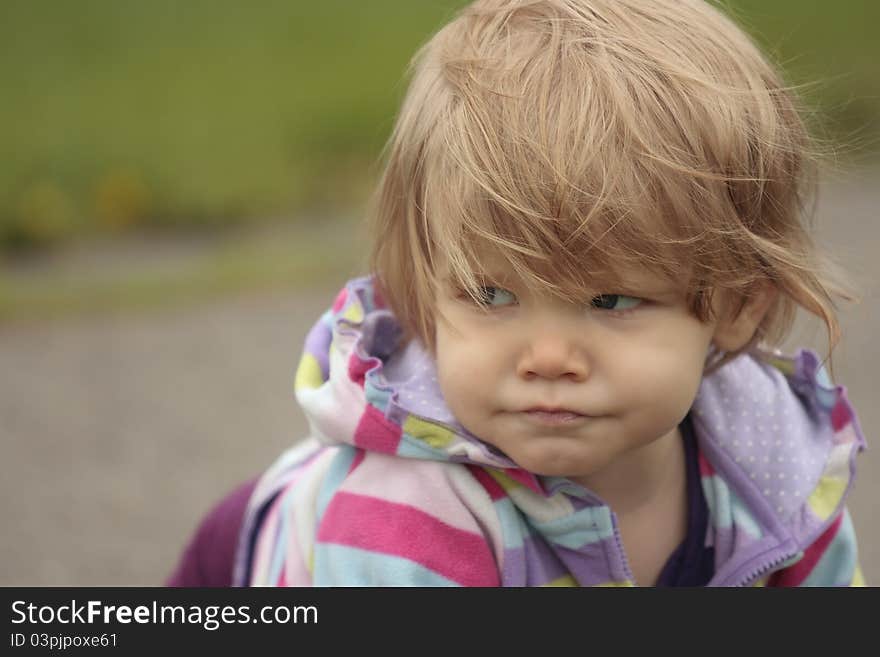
<point>781,434</point>
<point>357,385</point>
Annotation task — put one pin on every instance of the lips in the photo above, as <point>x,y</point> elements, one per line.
<point>553,416</point>
<point>552,409</point>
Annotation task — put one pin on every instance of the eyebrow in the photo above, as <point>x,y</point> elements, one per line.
<point>482,277</point>
<point>640,285</point>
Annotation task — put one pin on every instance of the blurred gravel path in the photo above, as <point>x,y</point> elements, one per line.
<point>121,431</point>
<point>118,432</point>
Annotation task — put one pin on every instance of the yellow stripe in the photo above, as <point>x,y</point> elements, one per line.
<point>506,482</point>
<point>568,580</point>
<point>565,580</point>
<point>354,312</point>
<point>826,496</point>
<point>428,432</point>
<point>783,365</point>
<point>858,579</point>
<point>626,584</point>
<point>308,374</point>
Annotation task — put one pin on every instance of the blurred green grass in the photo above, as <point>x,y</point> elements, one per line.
<point>122,113</point>
<point>119,113</point>
<point>831,48</point>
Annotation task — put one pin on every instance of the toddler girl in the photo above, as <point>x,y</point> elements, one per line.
<point>588,239</point>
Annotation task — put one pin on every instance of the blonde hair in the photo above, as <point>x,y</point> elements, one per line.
<point>581,138</point>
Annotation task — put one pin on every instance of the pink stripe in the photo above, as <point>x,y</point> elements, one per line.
<point>840,415</point>
<point>706,469</point>
<point>358,367</point>
<point>797,573</point>
<point>376,432</point>
<point>340,300</point>
<point>369,523</point>
<point>492,487</point>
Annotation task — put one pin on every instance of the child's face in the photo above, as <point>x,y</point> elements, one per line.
<point>566,389</point>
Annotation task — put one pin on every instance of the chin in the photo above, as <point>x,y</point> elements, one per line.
<point>557,467</point>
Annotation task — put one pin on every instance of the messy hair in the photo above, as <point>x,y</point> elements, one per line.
<point>583,138</point>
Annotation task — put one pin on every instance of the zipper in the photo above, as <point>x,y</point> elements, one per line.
<point>757,573</point>
<point>618,541</point>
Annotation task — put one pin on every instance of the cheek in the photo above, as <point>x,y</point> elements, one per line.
<point>464,374</point>
<point>663,376</point>
<point>450,359</point>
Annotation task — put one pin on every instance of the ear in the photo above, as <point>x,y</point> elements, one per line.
<point>733,332</point>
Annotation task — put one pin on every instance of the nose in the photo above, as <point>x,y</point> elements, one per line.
<point>552,356</point>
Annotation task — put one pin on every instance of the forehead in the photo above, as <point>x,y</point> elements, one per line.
<point>491,264</point>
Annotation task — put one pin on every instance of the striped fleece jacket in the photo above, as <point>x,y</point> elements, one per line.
<point>389,490</point>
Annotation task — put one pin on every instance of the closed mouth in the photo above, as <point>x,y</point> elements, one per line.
<point>552,409</point>
<point>553,416</point>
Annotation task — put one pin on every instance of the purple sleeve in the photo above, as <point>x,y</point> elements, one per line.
<point>209,556</point>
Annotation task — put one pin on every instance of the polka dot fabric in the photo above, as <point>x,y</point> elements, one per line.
<point>781,446</point>
<point>413,375</point>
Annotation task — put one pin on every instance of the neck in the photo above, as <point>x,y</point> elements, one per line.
<point>643,477</point>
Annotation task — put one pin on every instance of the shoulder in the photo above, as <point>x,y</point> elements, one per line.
<point>830,560</point>
<point>781,441</point>
<point>407,521</point>
<point>367,518</point>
